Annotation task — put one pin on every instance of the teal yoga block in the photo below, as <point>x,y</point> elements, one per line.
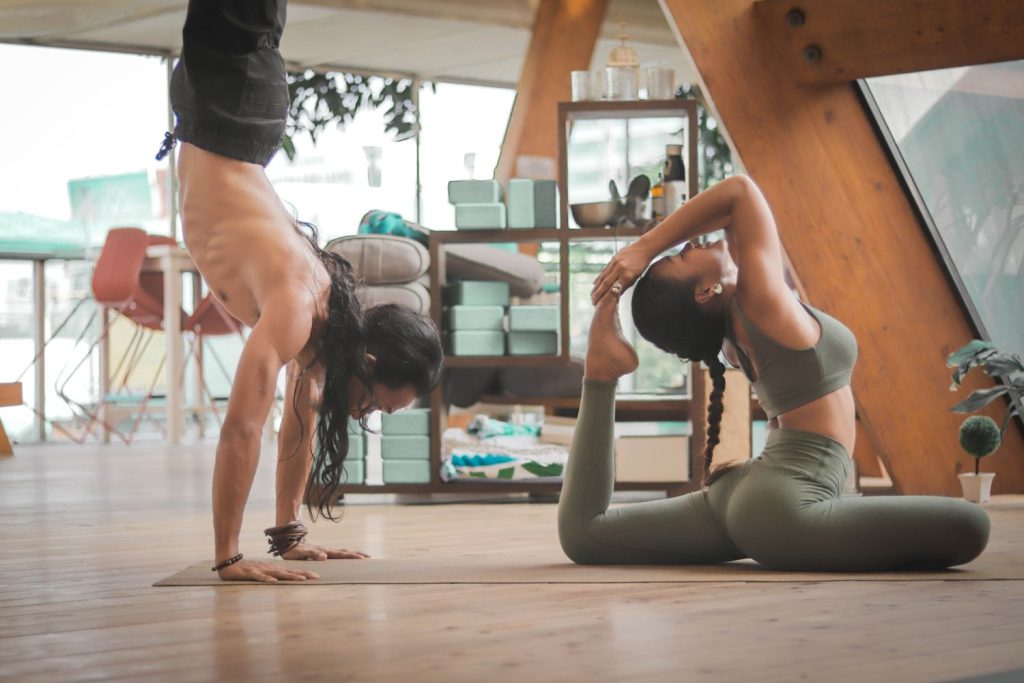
<point>532,343</point>
<point>355,472</point>
<point>474,192</point>
<point>477,293</point>
<point>488,216</point>
<point>476,343</point>
<point>532,203</point>
<point>534,319</point>
<point>406,471</point>
<point>475,318</point>
<point>404,447</point>
<point>354,463</point>
<point>414,421</point>
<point>356,447</point>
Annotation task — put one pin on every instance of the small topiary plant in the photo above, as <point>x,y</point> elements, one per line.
<point>980,436</point>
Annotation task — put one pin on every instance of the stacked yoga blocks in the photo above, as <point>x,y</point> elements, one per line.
<point>479,204</point>
<point>475,322</point>
<point>355,461</point>
<point>405,446</point>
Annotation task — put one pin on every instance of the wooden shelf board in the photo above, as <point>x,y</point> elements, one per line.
<point>625,109</point>
<point>502,361</point>
<point>491,236</point>
<point>603,233</point>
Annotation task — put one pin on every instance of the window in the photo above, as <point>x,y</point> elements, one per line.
<point>958,135</point>
<point>462,128</point>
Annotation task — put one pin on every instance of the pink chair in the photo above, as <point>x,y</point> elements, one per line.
<point>210,319</point>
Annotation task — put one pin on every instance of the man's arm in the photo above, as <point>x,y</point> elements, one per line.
<point>274,340</point>
<point>295,440</point>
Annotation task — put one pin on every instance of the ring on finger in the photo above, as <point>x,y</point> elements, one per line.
<point>617,288</point>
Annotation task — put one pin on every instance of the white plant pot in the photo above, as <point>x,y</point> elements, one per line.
<point>977,487</point>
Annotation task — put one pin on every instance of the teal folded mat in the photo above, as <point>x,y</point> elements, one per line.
<point>532,343</point>
<point>534,318</point>
<point>474,192</point>
<point>477,293</point>
<point>406,471</point>
<point>404,447</point>
<point>476,343</point>
<point>480,216</point>
<point>532,203</point>
<point>475,318</point>
<point>414,421</point>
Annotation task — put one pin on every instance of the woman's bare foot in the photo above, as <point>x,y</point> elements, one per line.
<point>609,355</point>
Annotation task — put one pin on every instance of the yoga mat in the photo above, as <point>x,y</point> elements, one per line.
<point>991,566</point>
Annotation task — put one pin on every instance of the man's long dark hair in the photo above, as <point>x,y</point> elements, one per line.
<point>408,352</point>
<point>666,314</point>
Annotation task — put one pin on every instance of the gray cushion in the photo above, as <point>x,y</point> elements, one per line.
<point>411,295</point>
<point>383,259</point>
<point>523,273</point>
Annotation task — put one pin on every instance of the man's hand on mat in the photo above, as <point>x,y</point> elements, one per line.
<point>267,572</point>
<point>624,268</point>
<point>308,551</point>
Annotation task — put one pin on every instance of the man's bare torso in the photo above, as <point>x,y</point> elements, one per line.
<point>243,240</point>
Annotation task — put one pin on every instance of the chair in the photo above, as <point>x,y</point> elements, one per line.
<point>120,283</point>
<point>210,319</point>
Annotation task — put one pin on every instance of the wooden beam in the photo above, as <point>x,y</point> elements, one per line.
<point>563,39</point>
<point>853,238</point>
<point>834,41</point>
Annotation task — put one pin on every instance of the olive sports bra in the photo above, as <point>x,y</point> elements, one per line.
<point>790,378</point>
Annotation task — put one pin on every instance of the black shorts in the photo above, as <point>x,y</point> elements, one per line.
<point>229,91</point>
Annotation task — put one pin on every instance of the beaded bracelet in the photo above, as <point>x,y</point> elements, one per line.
<point>227,563</point>
<point>283,538</point>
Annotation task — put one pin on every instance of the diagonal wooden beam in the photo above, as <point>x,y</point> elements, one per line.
<point>563,39</point>
<point>853,239</point>
<point>833,41</point>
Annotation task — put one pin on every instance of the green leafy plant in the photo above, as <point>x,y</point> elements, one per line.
<point>318,100</point>
<point>716,157</point>
<point>980,437</point>
<point>1003,366</point>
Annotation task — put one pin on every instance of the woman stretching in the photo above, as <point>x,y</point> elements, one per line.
<point>784,509</point>
<point>231,100</point>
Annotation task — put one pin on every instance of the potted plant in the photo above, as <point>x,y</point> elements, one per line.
<point>980,436</point>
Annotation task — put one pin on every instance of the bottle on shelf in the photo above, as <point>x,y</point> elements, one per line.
<point>657,201</point>
<point>674,178</point>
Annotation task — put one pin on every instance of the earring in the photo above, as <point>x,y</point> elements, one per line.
<point>717,289</point>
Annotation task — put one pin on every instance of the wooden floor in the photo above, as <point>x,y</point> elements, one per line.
<point>84,531</point>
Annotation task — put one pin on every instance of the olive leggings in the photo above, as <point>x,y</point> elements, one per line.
<point>784,509</point>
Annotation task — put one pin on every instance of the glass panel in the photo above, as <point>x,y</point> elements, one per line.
<point>346,173</point>
<point>659,372</point>
<point>961,134</point>
<point>72,361</point>
<point>17,321</point>
<point>88,125</point>
<point>601,150</point>
<point>462,128</point>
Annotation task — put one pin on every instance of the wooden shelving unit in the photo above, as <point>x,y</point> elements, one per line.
<point>672,408</point>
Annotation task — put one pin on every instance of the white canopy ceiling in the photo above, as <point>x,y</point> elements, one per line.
<point>457,40</point>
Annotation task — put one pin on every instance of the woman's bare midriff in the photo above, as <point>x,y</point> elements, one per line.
<point>832,415</point>
<point>241,237</point>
